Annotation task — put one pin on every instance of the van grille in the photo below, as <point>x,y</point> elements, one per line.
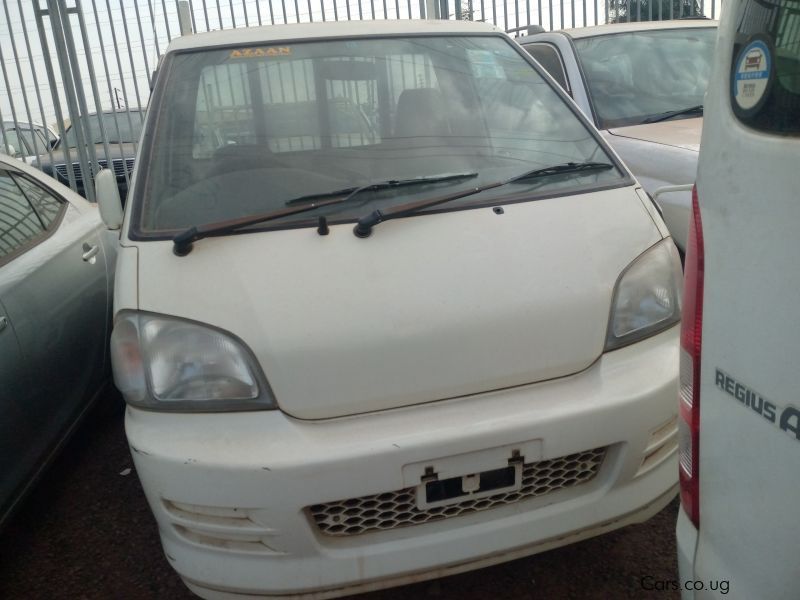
<point>390,510</point>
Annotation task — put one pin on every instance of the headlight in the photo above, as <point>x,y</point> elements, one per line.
<point>164,363</point>
<point>647,297</point>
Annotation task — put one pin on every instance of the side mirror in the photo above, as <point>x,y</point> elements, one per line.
<point>12,152</point>
<point>107,193</point>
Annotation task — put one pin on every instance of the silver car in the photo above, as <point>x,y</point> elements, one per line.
<point>56,275</point>
<point>26,140</point>
<point>642,84</point>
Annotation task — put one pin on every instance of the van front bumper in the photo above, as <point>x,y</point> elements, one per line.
<point>259,504</point>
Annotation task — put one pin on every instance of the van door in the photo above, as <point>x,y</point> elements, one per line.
<point>749,432</point>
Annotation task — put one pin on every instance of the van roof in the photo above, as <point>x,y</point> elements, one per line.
<point>335,29</point>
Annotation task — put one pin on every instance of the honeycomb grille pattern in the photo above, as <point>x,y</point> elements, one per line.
<point>390,510</point>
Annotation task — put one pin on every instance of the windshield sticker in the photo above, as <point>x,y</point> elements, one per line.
<point>260,52</point>
<point>484,65</point>
<point>752,78</point>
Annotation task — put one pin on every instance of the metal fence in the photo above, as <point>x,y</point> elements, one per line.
<point>80,70</point>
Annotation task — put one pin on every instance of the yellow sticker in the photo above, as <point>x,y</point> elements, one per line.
<point>260,52</point>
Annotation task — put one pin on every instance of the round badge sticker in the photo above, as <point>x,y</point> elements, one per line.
<point>752,77</point>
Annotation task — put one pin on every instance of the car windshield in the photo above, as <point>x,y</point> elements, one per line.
<point>122,126</point>
<point>243,131</point>
<point>639,75</point>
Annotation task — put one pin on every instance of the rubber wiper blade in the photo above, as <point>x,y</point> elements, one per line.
<point>352,192</point>
<point>698,109</point>
<point>568,167</point>
<point>365,224</point>
<point>183,242</point>
<point>363,228</point>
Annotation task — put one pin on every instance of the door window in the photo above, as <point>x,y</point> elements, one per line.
<point>47,206</point>
<point>548,56</point>
<point>11,139</point>
<point>19,223</point>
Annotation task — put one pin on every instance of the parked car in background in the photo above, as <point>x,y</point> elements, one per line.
<point>642,84</point>
<point>28,140</point>
<point>117,151</point>
<point>424,330</point>
<point>56,277</point>
<point>739,406</point>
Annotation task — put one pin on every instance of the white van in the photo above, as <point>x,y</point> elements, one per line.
<point>738,532</point>
<point>387,308</point>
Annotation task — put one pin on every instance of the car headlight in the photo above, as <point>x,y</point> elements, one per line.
<point>647,297</point>
<point>164,363</point>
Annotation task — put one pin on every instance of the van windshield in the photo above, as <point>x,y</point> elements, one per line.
<point>245,130</point>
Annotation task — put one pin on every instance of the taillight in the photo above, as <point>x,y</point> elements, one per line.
<point>691,338</point>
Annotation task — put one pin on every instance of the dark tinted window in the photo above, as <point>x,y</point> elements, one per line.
<point>547,55</point>
<point>47,206</point>
<point>765,70</point>
<point>18,221</point>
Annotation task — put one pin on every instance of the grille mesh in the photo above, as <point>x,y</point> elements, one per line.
<point>390,510</point>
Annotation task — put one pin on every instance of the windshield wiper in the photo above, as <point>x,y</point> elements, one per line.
<point>691,110</point>
<point>365,224</point>
<point>352,192</point>
<point>182,243</point>
<point>568,167</point>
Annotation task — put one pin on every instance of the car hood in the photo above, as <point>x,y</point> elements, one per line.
<point>428,308</point>
<point>680,133</point>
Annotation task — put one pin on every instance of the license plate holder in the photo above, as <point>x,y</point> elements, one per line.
<point>470,475</point>
<point>470,487</point>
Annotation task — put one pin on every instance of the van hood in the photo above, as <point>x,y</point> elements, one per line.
<point>428,308</point>
<point>681,133</point>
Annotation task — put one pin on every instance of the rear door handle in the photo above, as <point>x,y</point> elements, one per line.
<point>89,252</point>
<point>3,323</point>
